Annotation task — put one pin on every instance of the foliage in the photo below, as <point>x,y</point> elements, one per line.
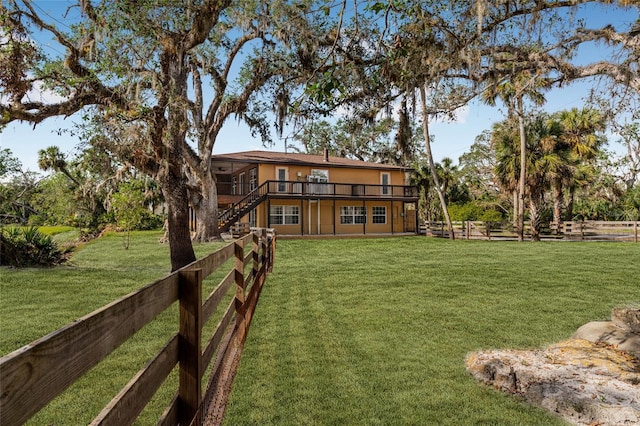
<point>475,211</point>
<point>21,247</point>
<point>352,138</point>
<point>128,208</point>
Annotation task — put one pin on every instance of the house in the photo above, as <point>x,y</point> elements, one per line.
<point>302,194</point>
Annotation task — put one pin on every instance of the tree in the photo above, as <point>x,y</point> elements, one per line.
<point>131,65</point>
<point>128,208</point>
<point>581,134</point>
<point>512,90</point>
<point>52,159</point>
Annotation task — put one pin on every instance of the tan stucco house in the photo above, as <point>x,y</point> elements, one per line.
<point>301,194</point>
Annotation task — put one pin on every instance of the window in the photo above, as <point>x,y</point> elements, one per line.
<point>284,215</point>
<point>234,185</point>
<point>253,179</point>
<point>320,179</point>
<point>241,179</point>
<point>379,214</point>
<point>352,215</point>
<point>385,178</point>
<point>321,176</point>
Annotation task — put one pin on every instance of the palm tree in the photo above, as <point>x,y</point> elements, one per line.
<point>512,90</point>
<point>505,144</point>
<point>52,159</point>
<point>580,134</point>
<point>545,161</point>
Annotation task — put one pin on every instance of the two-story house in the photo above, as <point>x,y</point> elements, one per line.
<point>301,194</point>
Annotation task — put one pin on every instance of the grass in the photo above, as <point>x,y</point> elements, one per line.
<point>363,331</point>
<point>37,301</point>
<point>376,331</point>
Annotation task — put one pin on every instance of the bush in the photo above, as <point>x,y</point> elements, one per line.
<point>149,221</point>
<point>474,210</point>
<point>21,247</point>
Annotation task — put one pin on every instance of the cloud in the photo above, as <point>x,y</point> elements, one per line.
<point>40,94</point>
<point>459,116</point>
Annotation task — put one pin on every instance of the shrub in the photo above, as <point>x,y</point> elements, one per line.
<point>21,247</point>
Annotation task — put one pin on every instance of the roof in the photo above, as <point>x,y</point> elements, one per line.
<point>270,157</point>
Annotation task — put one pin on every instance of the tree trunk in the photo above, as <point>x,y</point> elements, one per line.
<point>205,208</point>
<point>516,208</point>
<point>535,201</point>
<point>174,189</point>
<point>434,174</point>
<point>173,178</point>
<point>557,205</point>
<point>569,211</point>
<point>523,170</point>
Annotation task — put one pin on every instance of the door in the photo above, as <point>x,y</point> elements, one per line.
<point>282,175</point>
<point>385,179</point>
<point>409,217</point>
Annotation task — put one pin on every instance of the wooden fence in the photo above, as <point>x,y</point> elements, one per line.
<point>574,230</point>
<point>32,376</point>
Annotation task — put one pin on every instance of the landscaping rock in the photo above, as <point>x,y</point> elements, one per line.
<point>627,319</point>
<point>591,379</point>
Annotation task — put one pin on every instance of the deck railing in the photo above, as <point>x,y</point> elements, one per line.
<point>32,376</point>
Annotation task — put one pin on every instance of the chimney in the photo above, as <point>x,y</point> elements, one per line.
<point>326,155</point>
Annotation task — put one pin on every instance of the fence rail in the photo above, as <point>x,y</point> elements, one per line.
<point>573,230</point>
<point>36,373</point>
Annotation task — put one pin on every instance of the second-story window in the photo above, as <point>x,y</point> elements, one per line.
<point>234,185</point>
<point>253,179</point>
<point>320,180</point>
<point>241,183</point>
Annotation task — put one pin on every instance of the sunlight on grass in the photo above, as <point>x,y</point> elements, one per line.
<point>363,331</point>
<point>37,301</point>
<point>376,331</point>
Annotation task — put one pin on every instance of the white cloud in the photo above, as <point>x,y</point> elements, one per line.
<point>40,94</point>
<point>459,116</point>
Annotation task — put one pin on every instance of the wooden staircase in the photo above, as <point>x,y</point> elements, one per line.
<point>228,217</point>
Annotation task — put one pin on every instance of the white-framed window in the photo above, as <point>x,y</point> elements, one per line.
<point>234,185</point>
<point>379,214</point>
<point>320,176</point>
<point>241,182</point>
<point>253,179</point>
<point>284,215</point>
<point>353,214</point>
<point>385,181</point>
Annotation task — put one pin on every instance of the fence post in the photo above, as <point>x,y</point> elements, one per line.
<point>256,254</point>
<point>240,296</point>
<point>190,390</point>
<point>635,231</point>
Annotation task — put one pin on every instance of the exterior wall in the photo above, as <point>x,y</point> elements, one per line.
<point>330,217</point>
<point>336,174</point>
<point>323,217</point>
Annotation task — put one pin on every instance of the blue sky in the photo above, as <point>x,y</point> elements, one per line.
<point>451,139</point>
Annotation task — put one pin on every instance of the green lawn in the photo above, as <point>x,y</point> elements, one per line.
<point>36,301</point>
<point>363,331</point>
<point>376,332</point>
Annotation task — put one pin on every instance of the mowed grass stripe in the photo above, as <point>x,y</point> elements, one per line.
<point>376,331</point>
